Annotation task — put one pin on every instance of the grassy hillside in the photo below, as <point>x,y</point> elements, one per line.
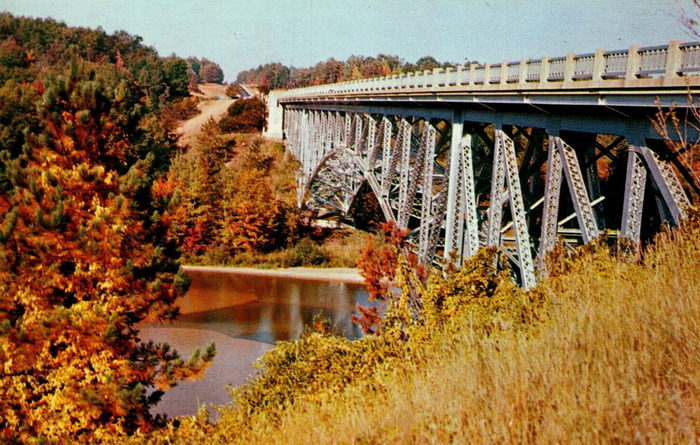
<point>605,350</point>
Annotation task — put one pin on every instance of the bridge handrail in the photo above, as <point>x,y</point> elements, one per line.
<point>674,64</point>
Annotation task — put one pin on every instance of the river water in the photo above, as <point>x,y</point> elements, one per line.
<point>244,315</point>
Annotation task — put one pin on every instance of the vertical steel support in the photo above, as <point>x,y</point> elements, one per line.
<point>303,155</point>
<point>315,140</point>
<point>359,132</point>
<point>386,150</point>
<point>330,125</point>
<point>453,223</point>
<point>347,133</point>
<point>427,221</point>
<point>550,212</point>
<point>404,174</point>
<point>522,238</point>
<point>498,177</point>
<point>505,170</point>
<point>577,190</point>
<point>395,159</point>
<point>372,146</point>
<point>337,130</point>
<point>322,134</point>
<point>470,240</point>
<point>413,175</point>
<point>461,198</point>
<point>665,180</point>
<point>375,140</point>
<point>635,184</point>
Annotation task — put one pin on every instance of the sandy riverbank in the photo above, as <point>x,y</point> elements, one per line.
<point>339,275</point>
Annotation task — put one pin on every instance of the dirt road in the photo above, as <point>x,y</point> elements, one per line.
<point>214,104</point>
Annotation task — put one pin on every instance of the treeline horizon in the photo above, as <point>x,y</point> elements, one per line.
<point>32,46</point>
<point>272,76</point>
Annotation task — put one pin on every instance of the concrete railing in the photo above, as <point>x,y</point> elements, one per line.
<point>675,64</point>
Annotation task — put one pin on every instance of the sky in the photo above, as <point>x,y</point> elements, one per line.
<point>242,34</point>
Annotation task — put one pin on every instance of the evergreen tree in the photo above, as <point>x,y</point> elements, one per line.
<point>85,255</point>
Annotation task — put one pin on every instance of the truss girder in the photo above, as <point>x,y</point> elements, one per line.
<point>430,187</point>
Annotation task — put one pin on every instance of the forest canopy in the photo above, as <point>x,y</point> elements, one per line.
<point>273,76</point>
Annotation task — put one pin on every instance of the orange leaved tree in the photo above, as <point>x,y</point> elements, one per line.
<point>85,255</point>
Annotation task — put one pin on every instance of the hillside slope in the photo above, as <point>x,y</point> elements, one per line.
<point>213,105</point>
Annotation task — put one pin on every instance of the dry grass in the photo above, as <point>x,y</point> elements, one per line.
<point>617,361</point>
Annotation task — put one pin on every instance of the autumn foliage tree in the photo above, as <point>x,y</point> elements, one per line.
<point>86,254</point>
<point>233,199</point>
<point>388,265</point>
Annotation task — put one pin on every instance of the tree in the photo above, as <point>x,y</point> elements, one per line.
<point>253,215</point>
<point>176,73</point>
<point>245,115</point>
<point>211,72</point>
<point>256,216</point>
<point>85,255</point>
<point>426,63</point>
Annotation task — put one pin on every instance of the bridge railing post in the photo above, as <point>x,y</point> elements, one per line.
<point>522,73</point>
<point>569,69</point>
<point>459,81</point>
<point>504,74</point>
<point>544,70</point>
<point>598,65</point>
<point>472,74</point>
<point>673,60</point>
<point>633,59</point>
<point>487,69</point>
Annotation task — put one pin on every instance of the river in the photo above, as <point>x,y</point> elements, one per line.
<point>244,314</point>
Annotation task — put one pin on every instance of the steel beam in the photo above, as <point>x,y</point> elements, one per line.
<point>426,213</point>
<point>550,211</point>
<point>461,199</point>
<point>522,238</point>
<point>577,190</point>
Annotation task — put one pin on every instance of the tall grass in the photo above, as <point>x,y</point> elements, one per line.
<point>617,359</point>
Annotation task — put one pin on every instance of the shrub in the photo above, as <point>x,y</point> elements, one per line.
<point>245,115</point>
<point>179,110</point>
<point>305,253</point>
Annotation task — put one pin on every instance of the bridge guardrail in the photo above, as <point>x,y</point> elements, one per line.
<point>675,64</point>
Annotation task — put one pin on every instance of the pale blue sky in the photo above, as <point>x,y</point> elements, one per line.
<point>241,34</point>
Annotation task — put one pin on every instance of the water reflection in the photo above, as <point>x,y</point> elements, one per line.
<point>266,309</point>
<point>244,314</point>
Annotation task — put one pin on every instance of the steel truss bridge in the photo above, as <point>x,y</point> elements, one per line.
<point>515,154</point>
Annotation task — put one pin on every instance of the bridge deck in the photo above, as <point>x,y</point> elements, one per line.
<point>657,70</point>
